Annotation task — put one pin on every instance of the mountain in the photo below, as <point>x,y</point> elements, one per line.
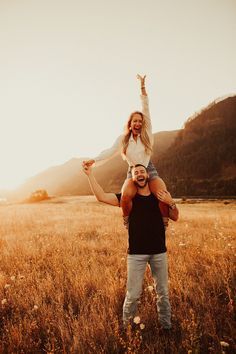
<point>112,173</point>
<point>202,160</point>
<point>198,160</point>
<point>48,179</point>
<point>68,179</point>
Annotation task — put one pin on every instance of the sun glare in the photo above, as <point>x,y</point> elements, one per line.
<point>10,182</point>
<point>11,177</point>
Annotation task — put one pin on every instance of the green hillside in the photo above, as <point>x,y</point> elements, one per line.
<point>202,160</point>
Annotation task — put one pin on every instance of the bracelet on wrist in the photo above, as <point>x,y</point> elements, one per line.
<point>172,206</point>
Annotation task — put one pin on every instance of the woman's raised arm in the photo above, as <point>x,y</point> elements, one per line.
<point>145,106</point>
<point>142,83</point>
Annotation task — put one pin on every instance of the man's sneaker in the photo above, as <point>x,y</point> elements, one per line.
<point>126,221</point>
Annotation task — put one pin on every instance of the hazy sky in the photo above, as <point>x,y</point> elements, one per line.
<point>68,72</point>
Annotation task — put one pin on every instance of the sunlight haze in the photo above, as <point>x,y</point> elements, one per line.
<point>68,73</point>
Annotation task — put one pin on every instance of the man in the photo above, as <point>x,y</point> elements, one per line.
<point>146,242</point>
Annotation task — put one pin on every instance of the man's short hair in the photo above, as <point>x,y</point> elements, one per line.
<point>137,165</point>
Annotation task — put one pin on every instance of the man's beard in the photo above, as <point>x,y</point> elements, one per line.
<point>143,185</point>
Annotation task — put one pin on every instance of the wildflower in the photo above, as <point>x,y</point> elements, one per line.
<point>142,325</point>
<point>137,319</point>
<point>13,278</point>
<point>4,301</point>
<point>150,288</point>
<point>181,244</point>
<point>7,286</point>
<point>224,344</point>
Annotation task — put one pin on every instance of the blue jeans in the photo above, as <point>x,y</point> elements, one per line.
<point>136,265</point>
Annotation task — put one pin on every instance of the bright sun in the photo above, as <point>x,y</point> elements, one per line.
<point>10,182</point>
<point>13,172</point>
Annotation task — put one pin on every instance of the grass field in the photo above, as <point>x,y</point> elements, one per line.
<point>63,276</point>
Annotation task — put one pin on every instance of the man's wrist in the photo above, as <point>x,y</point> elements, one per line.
<point>172,205</point>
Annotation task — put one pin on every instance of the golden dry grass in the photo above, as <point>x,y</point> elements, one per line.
<point>63,275</point>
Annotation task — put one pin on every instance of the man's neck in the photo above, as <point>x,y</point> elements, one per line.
<point>144,191</point>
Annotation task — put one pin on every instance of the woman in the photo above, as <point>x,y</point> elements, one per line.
<point>136,147</point>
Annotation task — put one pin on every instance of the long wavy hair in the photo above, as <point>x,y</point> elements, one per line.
<point>143,135</point>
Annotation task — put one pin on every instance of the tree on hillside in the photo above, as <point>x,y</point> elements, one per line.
<point>38,195</point>
<point>202,150</point>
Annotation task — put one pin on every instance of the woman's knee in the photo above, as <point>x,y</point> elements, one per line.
<point>161,184</point>
<point>157,185</point>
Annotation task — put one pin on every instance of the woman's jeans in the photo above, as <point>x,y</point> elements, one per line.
<point>136,265</point>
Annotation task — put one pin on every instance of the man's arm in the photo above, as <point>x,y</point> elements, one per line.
<point>101,196</point>
<point>174,213</point>
<point>165,197</point>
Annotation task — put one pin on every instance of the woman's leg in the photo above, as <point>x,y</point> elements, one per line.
<point>128,192</point>
<point>157,184</point>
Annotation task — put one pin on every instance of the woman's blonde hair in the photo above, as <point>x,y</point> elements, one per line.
<point>143,135</point>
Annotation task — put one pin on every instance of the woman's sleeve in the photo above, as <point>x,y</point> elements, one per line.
<point>146,113</point>
<point>112,151</point>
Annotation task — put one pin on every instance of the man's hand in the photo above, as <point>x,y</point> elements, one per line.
<point>142,79</point>
<point>165,197</point>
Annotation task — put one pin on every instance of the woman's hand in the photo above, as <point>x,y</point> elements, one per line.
<point>88,163</point>
<point>142,79</point>
<point>87,169</point>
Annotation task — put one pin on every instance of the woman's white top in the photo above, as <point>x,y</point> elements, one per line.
<point>135,152</point>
